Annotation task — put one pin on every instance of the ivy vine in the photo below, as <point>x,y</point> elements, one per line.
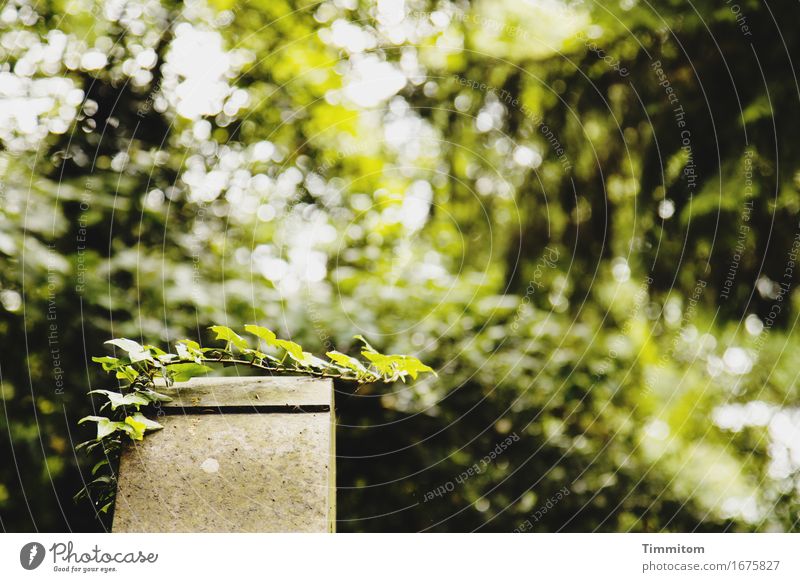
<point>126,413</point>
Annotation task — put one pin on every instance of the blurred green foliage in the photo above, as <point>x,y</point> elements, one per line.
<point>480,185</point>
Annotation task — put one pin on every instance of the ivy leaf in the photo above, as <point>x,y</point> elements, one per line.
<point>105,426</point>
<point>230,336</point>
<point>84,492</point>
<point>154,396</point>
<point>128,373</point>
<point>156,351</point>
<point>347,361</point>
<point>293,349</point>
<point>367,345</point>
<point>313,361</point>
<point>253,355</point>
<point>142,419</point>
<point>104,479</point>
<point>138,427</point>
<point>137,424</point>
<point>185,371</point>
<point>190,344</point>
<point>263,333</point>
<point>410,365</point>
<point>397,366</point>
<point>135,351</point>
<point>116,399</point>
<point>382,363</point>
<point>84,444</point>
<point>89,445</point>
<point>188,350</point>
<point>109,363</point>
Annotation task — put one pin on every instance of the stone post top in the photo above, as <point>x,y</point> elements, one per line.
<point>268,392</point>
<point>252,454</point>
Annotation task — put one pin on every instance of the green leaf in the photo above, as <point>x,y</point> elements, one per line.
<point>88,445</point>
<point>190,344</point>
<point>85,444</point>
<point>142,419</point>
<point>230,336</point>
<point>367,345</point>
<point>253,355</point>
<point>154,396</point>
<point>382,363</point>
<point>109,363</point>
<point>84,492</point>
<point>396,366</point>
<point>185,371</point>
<point>313,361</point>
<point>128,373</point>
<point>135,351</point>
<point>262,332</point>
<point>105,426</point>
<point>117,399</point>
<point>188,350</point>
<point>138,427</point>
<point>155,350</point>
<point>347,361</point>
<point>293,349</point>
<point>410,365</point>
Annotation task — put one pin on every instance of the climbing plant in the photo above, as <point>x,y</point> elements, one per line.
<point>126,413</point>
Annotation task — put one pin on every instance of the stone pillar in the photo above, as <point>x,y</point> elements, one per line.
<point>249,454</point>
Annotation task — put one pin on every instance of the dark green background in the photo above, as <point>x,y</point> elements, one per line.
<point>556,305</point>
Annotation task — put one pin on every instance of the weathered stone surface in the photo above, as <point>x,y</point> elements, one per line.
<point>235,455</point>
<point>252,391</point>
